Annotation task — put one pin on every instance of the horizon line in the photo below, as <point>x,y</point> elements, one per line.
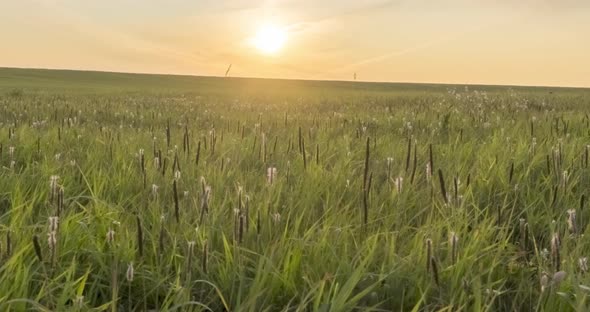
<point>299,79</point>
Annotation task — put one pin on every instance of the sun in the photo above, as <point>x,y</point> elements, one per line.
<point>270,39</point>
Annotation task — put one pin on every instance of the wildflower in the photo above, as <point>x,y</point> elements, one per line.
<point>276,217</point>
<point>571,220</point>
<point>110,236</point>
<point>583,264</point>
<point>399,183</point>
<point>53,224</point>
<point>177,175</point>
<point>191,247</point>
<point>130,272</point>
<point>454,242</point>
<point>271,174</point>
<point>53,182</point>
<point>389,161</point>
<point>155,190</point>
<point>51,240</point>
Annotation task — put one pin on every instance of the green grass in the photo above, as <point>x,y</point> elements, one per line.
<point>300,243</point>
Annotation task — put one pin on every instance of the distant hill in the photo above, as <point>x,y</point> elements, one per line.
<point>47,80</point>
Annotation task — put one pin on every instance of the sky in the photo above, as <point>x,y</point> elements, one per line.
<point>525,42</point>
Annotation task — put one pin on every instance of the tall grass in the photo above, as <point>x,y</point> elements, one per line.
<point>363,227</point>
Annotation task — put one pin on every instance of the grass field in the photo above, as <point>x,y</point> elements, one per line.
<point>142,192</point>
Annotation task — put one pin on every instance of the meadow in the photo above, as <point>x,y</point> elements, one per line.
<point>128,192</point>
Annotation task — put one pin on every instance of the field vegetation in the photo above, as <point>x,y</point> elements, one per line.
<point>149,192</point>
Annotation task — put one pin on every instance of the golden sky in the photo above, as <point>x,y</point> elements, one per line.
<point>524,42</point>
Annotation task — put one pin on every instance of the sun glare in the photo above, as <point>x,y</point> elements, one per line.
<point>270,39</point>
